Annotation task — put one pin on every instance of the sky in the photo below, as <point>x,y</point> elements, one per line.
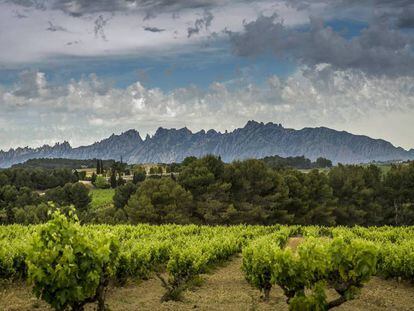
<point>80,70</point>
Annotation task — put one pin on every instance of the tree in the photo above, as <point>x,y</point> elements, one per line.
<point>357,189</point>
<point>112,179</point>
<point>31,214</point>
<point>101,166</point>
<point>93,177</point>
<point>159,201</point>
<point>399,194</point>
<point>319,200</point>
<point>101,183</point>
<point>196,177</point>
<point>123,193</point>
<point>69,268</point>
<point>4,180</point>
<point>139,176</point>
<point>347,183</point>
<point>82,175</point>
<point>257,192</point>
<point>188,160</point>
<point>11,198</point>
<point>323,163</point>
<point>76,194</point>
<point>8,196</point>
<point>120,180</point>
<point>119,167</point>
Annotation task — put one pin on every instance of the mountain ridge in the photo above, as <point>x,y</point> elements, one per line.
<point>254,140</point>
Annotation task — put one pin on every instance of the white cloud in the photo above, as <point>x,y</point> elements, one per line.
<point>51,32</point>
<point>87,110</point>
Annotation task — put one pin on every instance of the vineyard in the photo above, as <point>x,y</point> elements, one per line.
<point>70,266</point>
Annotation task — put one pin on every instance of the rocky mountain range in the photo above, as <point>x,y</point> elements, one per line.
<point>254,140</point>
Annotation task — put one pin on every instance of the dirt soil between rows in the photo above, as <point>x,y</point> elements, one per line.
<point>224,288</point>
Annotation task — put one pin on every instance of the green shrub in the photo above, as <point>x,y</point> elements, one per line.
<point>101,183</point>
<point>69,268</point>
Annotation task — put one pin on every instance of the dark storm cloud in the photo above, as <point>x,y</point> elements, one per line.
<point>79,7</point>
<point>153,29</point>
<point>377,4</point>
<point>406,19</point>
<point>378,49</point>
<point>150,7</point>
<point>399,12</point>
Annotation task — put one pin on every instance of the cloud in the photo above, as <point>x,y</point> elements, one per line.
<point>54,28</point>
<point>378,49</point>
<point>153,29</point>
<point>79,8</point>
<point>200,23</point>
<point>345,82</point>
<point>73,43</point>
<point>99,28</point>
<point>19,15</point>
<point>31,85</point>
<point>120,34</point>
<point>406,19</point>
<point>88,109</point>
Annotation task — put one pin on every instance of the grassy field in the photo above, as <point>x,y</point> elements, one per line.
<point>101,197</point>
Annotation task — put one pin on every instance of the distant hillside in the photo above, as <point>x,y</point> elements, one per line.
<point>254,140</point>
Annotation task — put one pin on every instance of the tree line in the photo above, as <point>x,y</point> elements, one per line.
<point>55,163</point>
<point>296,162</point>
<point>209,191</point>
<point>25,193</point>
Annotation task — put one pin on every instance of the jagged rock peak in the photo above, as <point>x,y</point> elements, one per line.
<point>253,123</point>
<point>211,132</point>
<point>131,132</point>
<point>254,140</point>
<point>163,131</point>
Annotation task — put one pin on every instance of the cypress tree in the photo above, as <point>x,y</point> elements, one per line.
<point>101,166</point>
<point>112,179</point>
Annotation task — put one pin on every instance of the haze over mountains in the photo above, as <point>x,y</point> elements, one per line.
<point>254,140</point>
